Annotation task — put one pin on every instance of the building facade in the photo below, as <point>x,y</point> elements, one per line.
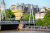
<point>48,9</point>
<point>17,10</point>
<point>36,8</point>
<point>40,14</point>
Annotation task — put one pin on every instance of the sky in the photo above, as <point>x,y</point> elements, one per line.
<point>40,3</point>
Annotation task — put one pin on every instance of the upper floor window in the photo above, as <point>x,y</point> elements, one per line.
<point>26,8</point>
<point>19,7</point>
<point>35,9</point>
<point>13,8</point>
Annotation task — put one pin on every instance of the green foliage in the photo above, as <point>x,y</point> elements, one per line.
<point>9,14</point>
<point>45,21</point>
<point>47,15</point>
<point>26,16</point>
<point>39,22</point>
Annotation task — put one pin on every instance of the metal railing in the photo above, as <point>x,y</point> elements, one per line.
<point>37,28</point>
<point>16,22</point>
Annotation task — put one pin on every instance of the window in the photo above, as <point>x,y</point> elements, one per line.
<point>35,9</point>
<point>13,8</point>
<point>19,7</point>
<point>26,8</point>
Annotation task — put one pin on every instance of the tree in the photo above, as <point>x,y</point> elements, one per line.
<point>26,16</point>
<point>39,22</point>
<point>45,22</point>
<point>9,14</point>
<point>46,19</point>
<point>47,15</point>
